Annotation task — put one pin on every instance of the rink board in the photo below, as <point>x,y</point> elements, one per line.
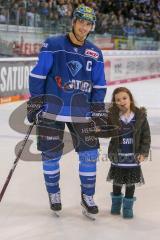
<point>120,67</point>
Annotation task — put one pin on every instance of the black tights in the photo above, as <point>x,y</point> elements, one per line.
<point>129,191</point>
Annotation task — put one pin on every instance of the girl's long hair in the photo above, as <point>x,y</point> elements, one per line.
<point>126,90</point>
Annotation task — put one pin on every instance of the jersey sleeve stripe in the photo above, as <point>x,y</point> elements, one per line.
<point>37,76</point>
<point>99,87</point>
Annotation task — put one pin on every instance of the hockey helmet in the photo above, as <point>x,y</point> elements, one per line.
<point>86,13</point>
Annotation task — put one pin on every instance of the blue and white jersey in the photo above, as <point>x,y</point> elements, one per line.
<point>126,156</point>
<point>72,76</point>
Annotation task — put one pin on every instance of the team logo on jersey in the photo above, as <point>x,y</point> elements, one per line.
<point>45,45</point>
<point>91,53</point>
<point>75,49</point>
<point>59,81</point>
<point>74,67</point>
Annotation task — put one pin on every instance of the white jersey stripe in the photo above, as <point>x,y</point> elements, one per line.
<point>73,54</point>
<point>63,118</point>
<point>99,87</point>
<point>126,154</point>
<point>37,76</point>
<point>125,164</point>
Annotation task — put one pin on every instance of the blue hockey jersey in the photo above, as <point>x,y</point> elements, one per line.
<point>70,76</point>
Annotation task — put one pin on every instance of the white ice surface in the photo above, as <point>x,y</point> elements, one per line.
<point>24,210</point>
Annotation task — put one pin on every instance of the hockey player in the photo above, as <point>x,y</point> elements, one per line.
<point>66,85</point>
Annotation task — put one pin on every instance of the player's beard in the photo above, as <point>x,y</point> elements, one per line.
<point>79,38</point>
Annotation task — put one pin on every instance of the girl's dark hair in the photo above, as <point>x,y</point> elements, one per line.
<point>126,90</point>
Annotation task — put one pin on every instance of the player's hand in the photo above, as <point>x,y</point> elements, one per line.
<point>34,108</point>
<point>98,114</point>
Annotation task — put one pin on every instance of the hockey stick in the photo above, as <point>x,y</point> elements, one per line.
<point>15,162</point>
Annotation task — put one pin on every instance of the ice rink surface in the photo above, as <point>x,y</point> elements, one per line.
<point>24,210</point>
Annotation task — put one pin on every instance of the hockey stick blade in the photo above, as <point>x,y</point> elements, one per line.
<point>15,162</point>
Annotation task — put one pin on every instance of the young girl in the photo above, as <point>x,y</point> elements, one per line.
<point>128,147</point>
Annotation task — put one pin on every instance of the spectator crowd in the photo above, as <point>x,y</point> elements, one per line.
<point>139,18</point>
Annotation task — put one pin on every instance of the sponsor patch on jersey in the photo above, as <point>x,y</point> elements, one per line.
<point>91,53</point>
<point>84,86</point>
<point>74,67</point>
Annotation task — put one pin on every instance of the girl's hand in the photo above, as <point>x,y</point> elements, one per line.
<point>140,158</point>
<point>97,129</point>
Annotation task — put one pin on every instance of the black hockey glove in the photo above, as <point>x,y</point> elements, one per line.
<point>102,128</point>
<point>34,108</point>
<point>103,125</point>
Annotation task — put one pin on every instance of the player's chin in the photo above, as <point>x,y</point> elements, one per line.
<point>82,37</point>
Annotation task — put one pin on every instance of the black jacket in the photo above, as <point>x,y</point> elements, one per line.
<point>141,133</point>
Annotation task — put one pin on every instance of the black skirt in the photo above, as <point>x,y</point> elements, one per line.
<point>120,175</point>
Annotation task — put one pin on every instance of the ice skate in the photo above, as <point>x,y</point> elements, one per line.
<point>89,208</point>
<point>55,203</point>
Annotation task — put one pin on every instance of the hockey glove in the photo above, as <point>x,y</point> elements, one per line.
<point>34,108</point>
<point>102,127</point>
<point>98,114</point>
